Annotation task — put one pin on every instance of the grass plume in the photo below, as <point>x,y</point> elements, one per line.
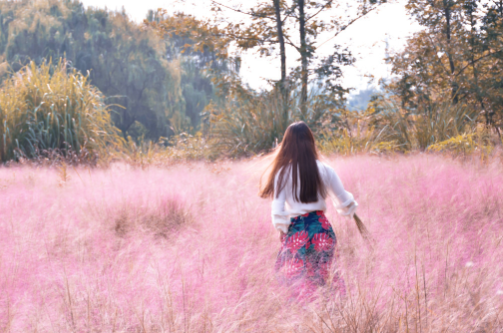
<point>435,265</point>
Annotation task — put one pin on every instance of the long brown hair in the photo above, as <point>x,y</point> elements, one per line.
<point>297,153</point>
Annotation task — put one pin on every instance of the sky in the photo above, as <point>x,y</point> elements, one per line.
<point>367,39</point>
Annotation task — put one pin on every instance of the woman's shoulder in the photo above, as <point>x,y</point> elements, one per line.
<point>280,171</point>
<point>323,165</point>
<point>324,168</point>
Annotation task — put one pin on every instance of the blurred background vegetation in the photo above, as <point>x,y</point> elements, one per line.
<point>85,84</point>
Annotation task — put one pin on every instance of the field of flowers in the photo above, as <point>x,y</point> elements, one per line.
<point>191,248</point>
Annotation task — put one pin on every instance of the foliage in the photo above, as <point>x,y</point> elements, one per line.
<point>45,110</point>
<point>358,133</point>
<point>271,24</point>
<point>189,34</point>
<point>202,53</point>
<point>248,122</point>
<point>466,143</point>
<point>360,101</point>
<point>128,64</point>
<point>385,126</point>
<point>181,147</point>
<point>125,61</point>
<point>457,56</point>
<point>189,147</point>
<point>174,90</point>
<point>418,129</point>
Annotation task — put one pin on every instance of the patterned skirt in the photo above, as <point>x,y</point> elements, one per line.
<point>306,258</point>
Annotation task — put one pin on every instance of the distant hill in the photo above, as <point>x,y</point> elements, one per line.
<point>360,101</point>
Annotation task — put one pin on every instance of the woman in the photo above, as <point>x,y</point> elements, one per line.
<point>299,184</point>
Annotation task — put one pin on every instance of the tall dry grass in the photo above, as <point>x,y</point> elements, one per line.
<point>191,248</point>
<point>248,123</point>
<point>387,127</point>
<point>50,111</point>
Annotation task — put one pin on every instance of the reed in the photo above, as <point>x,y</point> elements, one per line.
<point>54,110</point>
<point>249,123</point>
<point>361,227</point>
<point>385,126</point>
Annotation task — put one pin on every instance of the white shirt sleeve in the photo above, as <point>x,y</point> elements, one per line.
<point>343,201</point>
<point>280,218</point>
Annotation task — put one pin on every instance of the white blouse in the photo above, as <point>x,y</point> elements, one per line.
<point>284,206</point>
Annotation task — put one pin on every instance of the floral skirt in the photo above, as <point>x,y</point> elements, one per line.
<point>306,258</point>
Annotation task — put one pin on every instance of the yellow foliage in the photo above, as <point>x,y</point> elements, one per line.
<point>466,143</point>
<point>182,147</point>
<point>386,127</point>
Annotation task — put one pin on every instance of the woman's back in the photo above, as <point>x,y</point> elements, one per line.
<point>286,206</point>
<point>299,184</point>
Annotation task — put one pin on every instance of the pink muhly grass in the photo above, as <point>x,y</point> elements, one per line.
<point>191,248</point>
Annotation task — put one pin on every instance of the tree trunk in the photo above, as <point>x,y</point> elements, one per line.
<point>447,14</point>
<point>474,67</point>
<point>281,40</point>
<point>304,59</point>
<point>500,10</point>
<point>282,83</point>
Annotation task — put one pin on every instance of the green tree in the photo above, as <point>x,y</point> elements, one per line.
<point>492,31</point>
<point>457,55</point>
<point>202,52</point>
<point>272,24</point>
<point>125,61</point>
<point>128,64</point>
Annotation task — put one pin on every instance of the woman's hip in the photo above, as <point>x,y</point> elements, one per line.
<point>311,231</point>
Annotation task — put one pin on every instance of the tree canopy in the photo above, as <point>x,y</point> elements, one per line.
<point>457,56</point>
<point>174,74</point>
<point>152,89</point>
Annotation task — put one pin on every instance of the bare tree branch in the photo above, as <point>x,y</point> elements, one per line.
<point>322,9</point>
<point>476,60</point>
<point>291,43</point>
<point>346,26</point>
<point>233,36</point>
<point>240,11</point>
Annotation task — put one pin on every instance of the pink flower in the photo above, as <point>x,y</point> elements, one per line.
<point>322,242</point>
<point>297,240</point>
<point>293,267</point>
<point>305,215</point>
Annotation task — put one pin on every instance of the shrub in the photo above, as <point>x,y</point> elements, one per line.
<point>52,110</point>
<point>466,143</point>
<point>387,127</point>
<point>422,127</point>
<point>358,134</point>
<point>247,122</point>
<point>161,221</point>
<point>181,147</point>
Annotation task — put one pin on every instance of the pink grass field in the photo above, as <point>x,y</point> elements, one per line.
<point>191,248</point>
